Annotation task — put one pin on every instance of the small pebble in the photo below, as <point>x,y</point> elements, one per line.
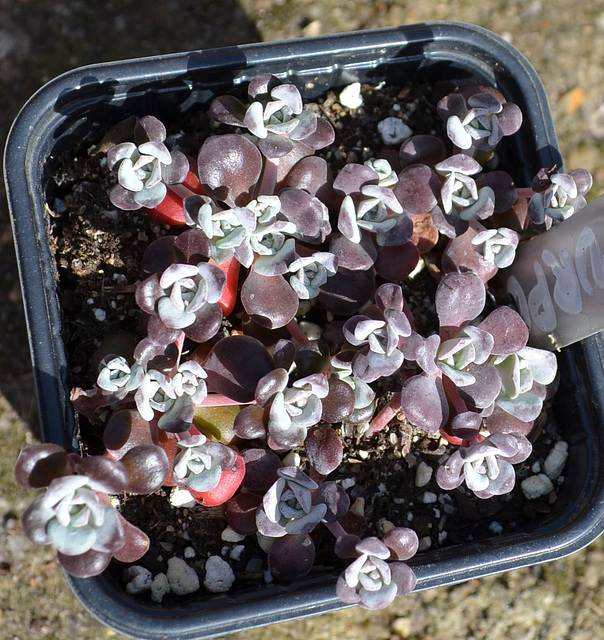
<point>384,526</point>
<point>311,330</point>
<point>428,497</point>
<point>229,535</point>
<point>236,552</point>
<point>182,578</point>
<point>181,498</point>
<point>189,553</point>
<point>159,587</point>
<point>536,468</point>
<point>219,576</point>
<point>556,459</point>
<point>348,483</point>
<point>139,579</point>
<point>423,474</point>
<point>495,527</point>
<point>292,459</point>
<point>537,486</point>
<point>351,96</point>
<point>99,315</point>
<point>424,543</point>
<point>393,130</point>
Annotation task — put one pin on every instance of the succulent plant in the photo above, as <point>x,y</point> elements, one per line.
<point>557,195</point>
<point>281,293</point>
<point>486,467</point>
<point>370,581</point>
<point>287,507</point>
<point>144,167</point>
<point>75,515</point>
<point>478,118</point>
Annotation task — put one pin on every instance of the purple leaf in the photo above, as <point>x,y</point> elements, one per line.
<point>503,187</point>
<point>422,149</point>
<point>235,365</point>
<point>424,402</point>
<point>335,499</point>
<point>508,330</point>
<point>368,366</point>
<point>250,423</point>
<point>354,176</point>
<point>228,110</point>
<point>291,556</point>
<point>417,189</point>
<point>460,297</point>
<point>38,465</point>
<point>485,390</point>
<point>147,467</point>
<point>404,578</point>
<point>229,167</point>
<point>85,565</point>
<point>339,403</point>
<point>353,256</point>
<point>107,475</point>
<point>149,129</point>
<point>260,469</point>
<point>241,512</point>
<point>396,263</point>
<point>466,425</point>
<point>270,384</point>
<point>208,321</point>
<point>312,174</point>
<point>126,429</point>
<point>136,542</point>
<point>324,449</point>
<point>402,542</point>
<point>345,294</point>
<point>308,213</point>
<point>322,137</point>
<point>269,300</point>
<point>499,421</point>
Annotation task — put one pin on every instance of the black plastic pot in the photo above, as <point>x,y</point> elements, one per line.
<point>79,104</point>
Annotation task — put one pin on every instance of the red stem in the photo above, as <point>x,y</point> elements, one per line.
<point>297,334</point>
<point>453,395</point>
<point>191,182</point>
<point>230,268</point>
<point>336,528</point>
<point>220,400</point>
<point>268,180</point>
<point>168,211</point>
<point>524,192</point>
<point>384,416</point>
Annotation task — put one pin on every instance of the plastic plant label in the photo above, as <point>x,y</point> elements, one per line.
<point>557,280</point>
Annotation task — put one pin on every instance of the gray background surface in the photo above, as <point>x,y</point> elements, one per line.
<point>39,39</point>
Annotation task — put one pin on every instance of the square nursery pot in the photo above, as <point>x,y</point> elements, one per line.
<point>82,103</point>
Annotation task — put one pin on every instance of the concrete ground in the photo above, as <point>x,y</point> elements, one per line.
<point>39,39</point>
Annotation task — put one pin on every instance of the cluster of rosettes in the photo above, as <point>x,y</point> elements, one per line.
<point>280,294</point>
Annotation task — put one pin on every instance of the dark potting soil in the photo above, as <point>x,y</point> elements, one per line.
<point>98,255</point>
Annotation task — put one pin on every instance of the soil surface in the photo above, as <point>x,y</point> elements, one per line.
<point>39,40</point>
<point>99,252</point>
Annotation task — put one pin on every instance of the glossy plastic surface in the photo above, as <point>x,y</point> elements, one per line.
<point>81,102</point>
